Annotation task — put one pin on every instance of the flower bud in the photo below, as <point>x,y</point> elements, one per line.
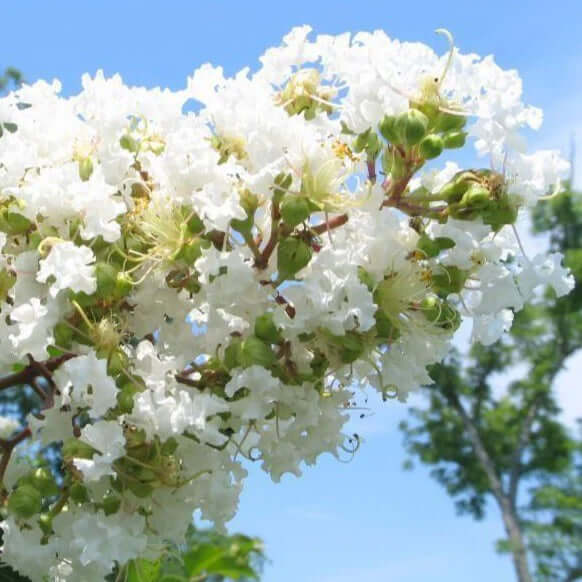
<point>78,493</point>
<point>255,351</point>
<point>476,196</point>
<point>43,480</point>
<point>111,504</point>
<point>292,255</point>
<point>295,209</point>
<point>25,501</point>
<point>411,126</point>
<point>454,139</point>
<point>499,213</point>
<point>388,129</point>
<point>129,143</point>
<point>266,330</point>
<point>85,168</point>
<point>125,398</point>
<point>448,122</point>
<point>45,521</point>
<point>431,146</point>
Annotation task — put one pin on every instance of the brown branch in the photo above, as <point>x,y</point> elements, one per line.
<point>8,446</point>
<point>263,260</point>
<point>289,309</point>
<point>334,222</point>
<point>522,441</point>
<point>33,370</point>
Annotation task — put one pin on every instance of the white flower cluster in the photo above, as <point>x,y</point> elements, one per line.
<point>211,287</point>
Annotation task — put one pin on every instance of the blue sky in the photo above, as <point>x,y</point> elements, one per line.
<point>365,521</point>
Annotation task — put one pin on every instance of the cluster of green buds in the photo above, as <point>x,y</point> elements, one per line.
<point>304,94</point>
<point>480,193</point>
<point>138,138</point>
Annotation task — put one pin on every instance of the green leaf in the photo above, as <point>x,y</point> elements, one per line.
<point>143,570</point>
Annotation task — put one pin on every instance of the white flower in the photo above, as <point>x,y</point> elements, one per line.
<point>71,267</point>
<point>107,437</point>
<point>84,382</point>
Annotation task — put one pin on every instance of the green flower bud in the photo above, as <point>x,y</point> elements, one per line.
<point>388,129</point>
<point>255,351</point>
<point>448,280</point>
<point>85,168</point>
<point>448,122</point>
<point>25,501</point>
<point>453,191</point>
<point>454,139</point>
<point>45,521</point>
<point>43,481</point>
<point>476,196</point>
<point>129,143</point>
<point>266,330</point>
<point>499,213</point>
<point>431,146</point>
<point>111,504</point>
<point>292,255</point>
<point>78,493</point>
<point>125,398</point>
<point>411,126</point>
<point>295,209</point>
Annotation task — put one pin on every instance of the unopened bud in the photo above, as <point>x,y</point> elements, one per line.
<point>431,146</point>
<point>411,126</point>
<point>25,501</point>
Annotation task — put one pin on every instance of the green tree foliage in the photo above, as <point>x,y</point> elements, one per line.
<point>483,442</point>
<point>553,524</point>
<point>10,78</point>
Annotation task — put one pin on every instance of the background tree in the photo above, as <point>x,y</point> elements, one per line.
<point>483,444</point>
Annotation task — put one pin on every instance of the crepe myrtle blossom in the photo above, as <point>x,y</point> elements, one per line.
<point>191,292</point>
